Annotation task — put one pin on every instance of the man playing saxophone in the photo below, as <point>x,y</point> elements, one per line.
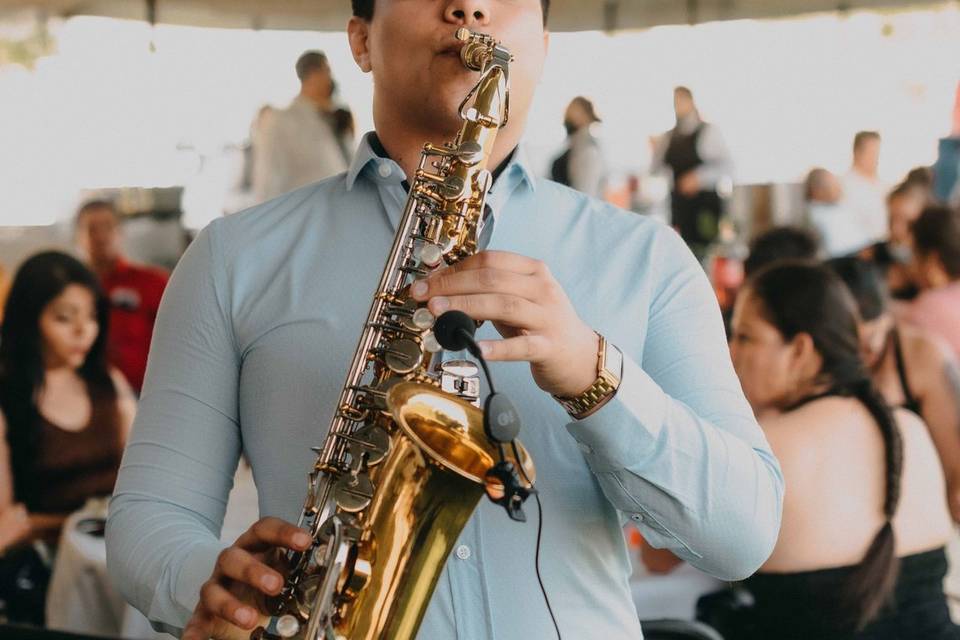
<point>629,400</point>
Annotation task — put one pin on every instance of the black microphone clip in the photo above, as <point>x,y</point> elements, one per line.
<point>501,421</point>
<point>504,474</point>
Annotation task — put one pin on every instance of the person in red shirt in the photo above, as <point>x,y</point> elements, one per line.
<point>134,289</point>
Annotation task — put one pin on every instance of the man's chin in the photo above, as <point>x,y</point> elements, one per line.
<point>441,109</point>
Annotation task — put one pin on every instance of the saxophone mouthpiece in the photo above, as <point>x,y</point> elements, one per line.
<point>478,48</point>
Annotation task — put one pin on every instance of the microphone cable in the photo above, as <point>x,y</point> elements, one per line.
<point>454,330</point>
<point>536,557</point>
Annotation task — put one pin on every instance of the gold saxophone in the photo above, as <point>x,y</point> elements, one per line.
<point>406,459</point>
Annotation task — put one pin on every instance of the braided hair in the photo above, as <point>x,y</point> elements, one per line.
<point>799,297</point>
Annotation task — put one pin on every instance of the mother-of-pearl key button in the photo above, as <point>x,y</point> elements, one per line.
<point>384,169</point>
<point>431,255</point>
<point>463,552</point>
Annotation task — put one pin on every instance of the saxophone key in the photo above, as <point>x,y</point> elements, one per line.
<point>287,626</point>
<point>423,319</point>
<point>454,187</point>
<point>402,355</point>
<point>430,254</point>
<point>430,342</point>
<point>461,378</point>
<point>372,442</point>
<point>470,152</point>
<point>404,314</point>
<point>414,270</point>
<point>353,492</point>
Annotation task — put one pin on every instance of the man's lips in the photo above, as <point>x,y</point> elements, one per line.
<point>451,48</point>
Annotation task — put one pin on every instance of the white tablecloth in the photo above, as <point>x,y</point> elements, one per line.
<point>81,598</point>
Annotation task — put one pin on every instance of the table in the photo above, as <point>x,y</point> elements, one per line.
<point>81,598</point>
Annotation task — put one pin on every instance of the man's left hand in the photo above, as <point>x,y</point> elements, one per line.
<point>530,310</point>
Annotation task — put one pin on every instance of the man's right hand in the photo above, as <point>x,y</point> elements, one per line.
<point>232,601</point>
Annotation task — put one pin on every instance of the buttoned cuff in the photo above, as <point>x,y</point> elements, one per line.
<point>624,431</point>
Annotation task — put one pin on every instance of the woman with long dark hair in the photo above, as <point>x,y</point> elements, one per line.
<point>861,549</point>
<point>64,414</point>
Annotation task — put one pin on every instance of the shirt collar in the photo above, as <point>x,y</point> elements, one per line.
<point>385,170</point>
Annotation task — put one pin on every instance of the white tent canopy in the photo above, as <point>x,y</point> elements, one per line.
<point>565,15</point>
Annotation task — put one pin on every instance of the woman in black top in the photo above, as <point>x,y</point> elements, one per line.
<point>860,553</point>
<point>911,367</point>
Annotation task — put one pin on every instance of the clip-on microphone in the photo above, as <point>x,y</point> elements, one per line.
<point>454,331</point>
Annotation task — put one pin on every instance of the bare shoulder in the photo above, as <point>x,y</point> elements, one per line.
<point>3,427</point>
<point>909,423</point>
<point>913,430</point>
<point>815,415</point>
<point>928,358</point>
<point>802,432</point>
<point>925,348</point>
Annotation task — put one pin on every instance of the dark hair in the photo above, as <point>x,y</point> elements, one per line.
<point>587,105</point>
<point>907,189</point>
<point>864,283</point>
<point>808,298</point>
<point>364,9</point>
<point>95,205</point>
<point>780,243</point>
<point>310,61</point>
<point>862,137</point>
<point>937,230</point>
<point>38,281</point>
<point>920,177</point>
<point>815,178</point>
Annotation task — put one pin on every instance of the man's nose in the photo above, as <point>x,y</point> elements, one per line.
<point>468,12</point>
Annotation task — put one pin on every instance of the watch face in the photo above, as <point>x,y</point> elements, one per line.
<point>613,362</point>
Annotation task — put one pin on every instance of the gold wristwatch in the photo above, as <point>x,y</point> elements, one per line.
<point>609,373</point>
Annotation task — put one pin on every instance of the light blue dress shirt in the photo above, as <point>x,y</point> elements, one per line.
<point>256,331</point>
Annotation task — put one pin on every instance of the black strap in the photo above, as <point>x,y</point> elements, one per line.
<point>909,400</point>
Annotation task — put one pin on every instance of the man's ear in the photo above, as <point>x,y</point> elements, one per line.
<point>358,33</point>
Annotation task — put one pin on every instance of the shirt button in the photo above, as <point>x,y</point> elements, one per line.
<point>463,552</point>
<point>384,169</point>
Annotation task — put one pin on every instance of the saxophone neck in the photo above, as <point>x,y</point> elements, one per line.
<point>486,108</point>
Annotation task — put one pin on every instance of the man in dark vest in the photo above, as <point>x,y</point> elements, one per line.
<point>697,156</point>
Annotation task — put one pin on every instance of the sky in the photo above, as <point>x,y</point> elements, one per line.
<point>122,104</point>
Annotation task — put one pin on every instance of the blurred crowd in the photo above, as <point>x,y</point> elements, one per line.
<point>844,331</point>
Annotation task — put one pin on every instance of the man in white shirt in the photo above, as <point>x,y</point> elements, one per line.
<point>310,140</point>
<point>839,229</point>
<point>863,192</point>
